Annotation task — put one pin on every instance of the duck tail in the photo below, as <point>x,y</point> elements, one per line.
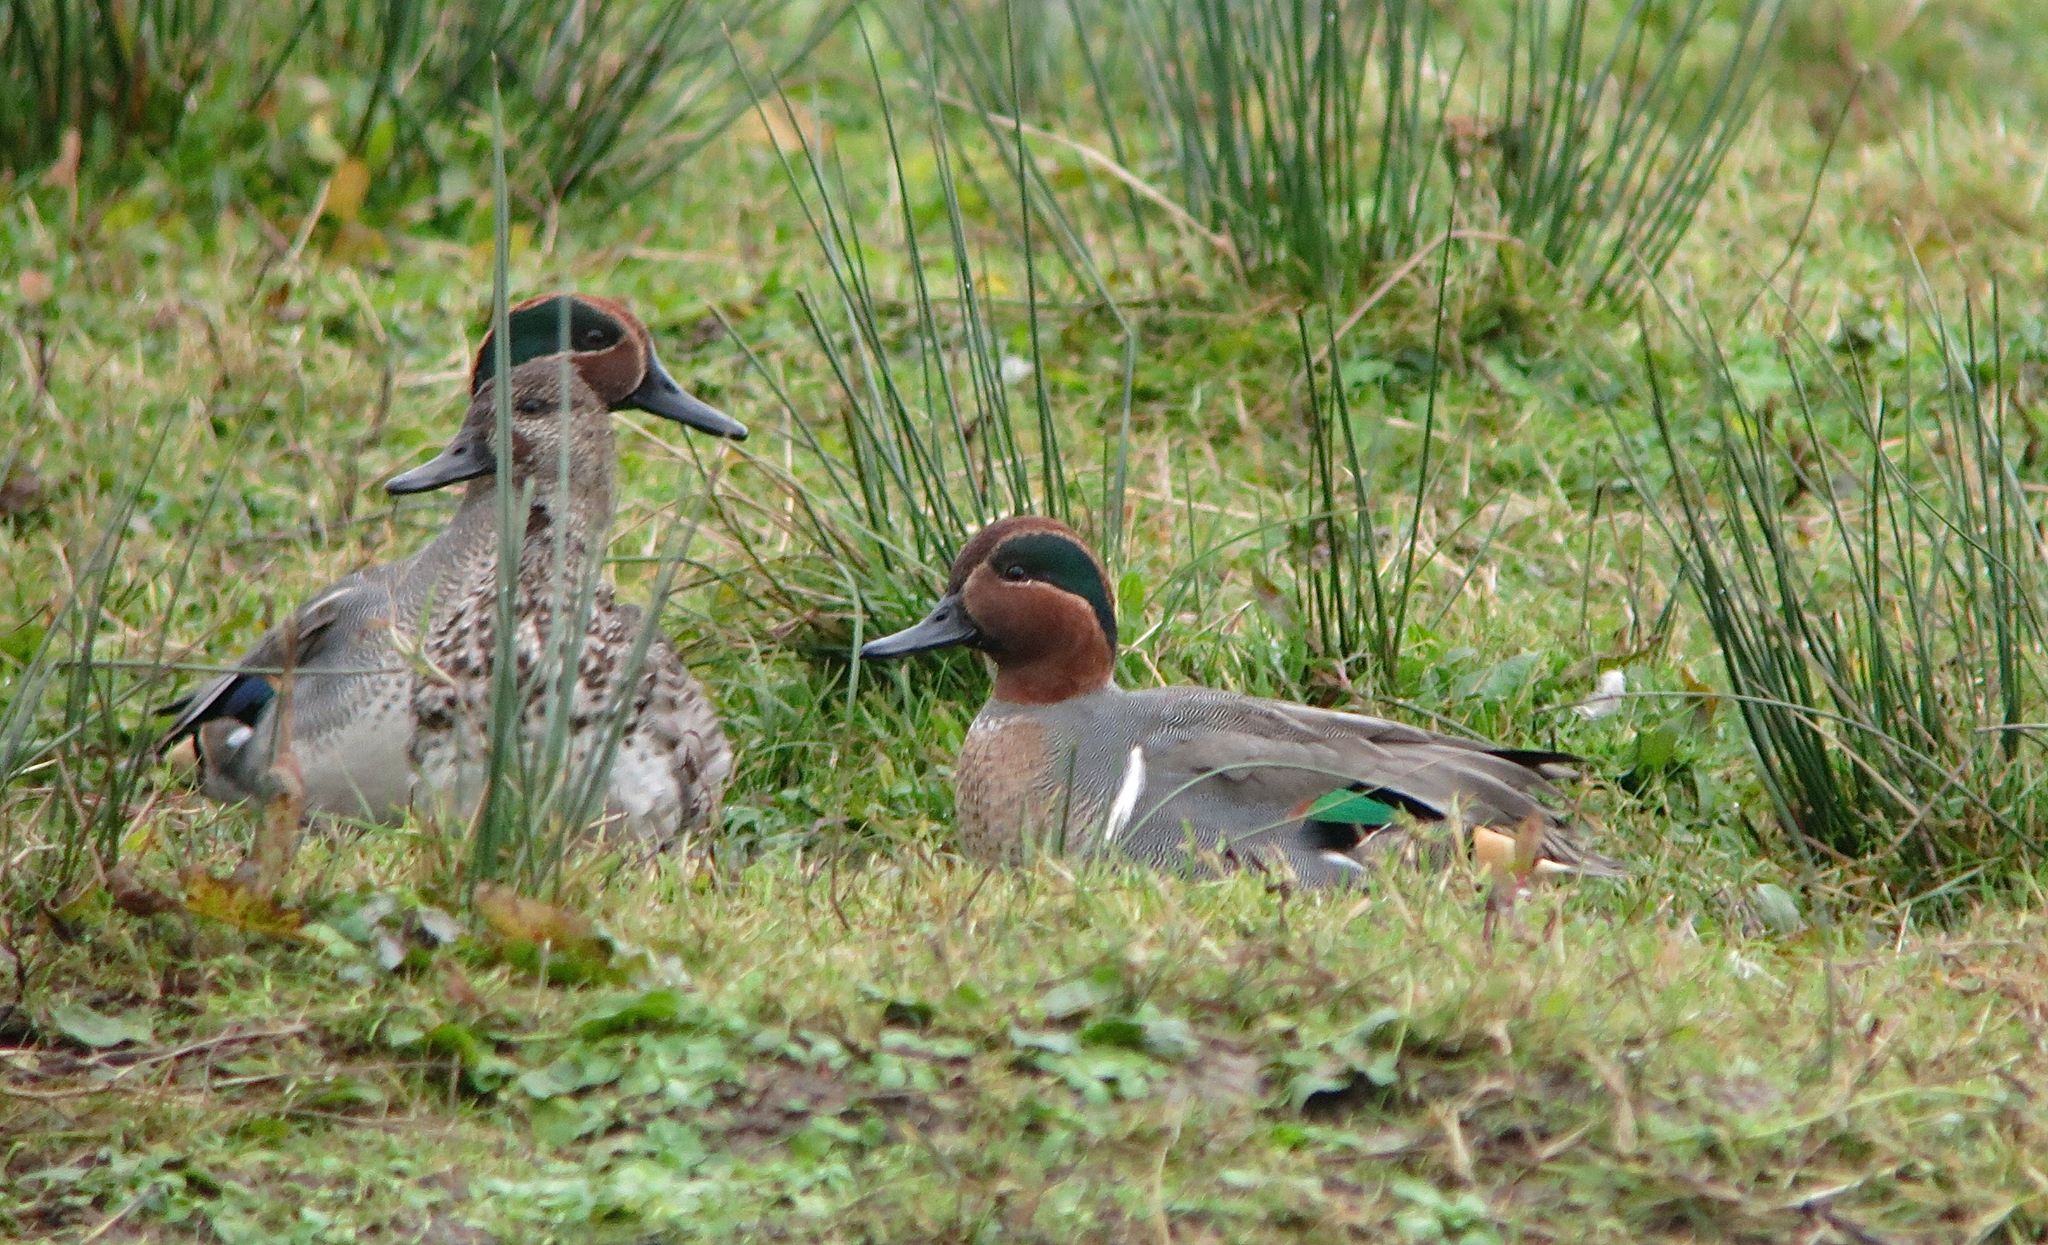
<point>1544,761</point>
<point>1567,855</point>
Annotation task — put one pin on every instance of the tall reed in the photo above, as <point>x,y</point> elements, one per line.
<point>612,96</point>
<point>1318,143</point>
<point>1867,558</point>
<point>935,425</point>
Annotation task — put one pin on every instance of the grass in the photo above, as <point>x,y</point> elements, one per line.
<point>1323,144</point>
<point>604,97</point>
<point>884,1065</point>
<point>72,67</point>
<point>1896,698</point>
<point>834,1028</point>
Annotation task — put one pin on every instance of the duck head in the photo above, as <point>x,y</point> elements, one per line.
<point>1031,594</point>
<point>611,354</point>
<point>553,406</point>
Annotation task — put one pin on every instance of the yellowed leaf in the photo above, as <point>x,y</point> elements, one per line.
<point>516,917</point>
<point>347,189</point>
<point>230,902</point>
<point>357,243</point>
<point>1704,708</point>
<point>518,246</point>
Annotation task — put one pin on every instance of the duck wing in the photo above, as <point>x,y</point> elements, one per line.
<point>1266,779</point>
<point>312,639</point>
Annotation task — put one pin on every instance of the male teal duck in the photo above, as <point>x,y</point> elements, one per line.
<point>367,700</point>
<point>1061,759</point>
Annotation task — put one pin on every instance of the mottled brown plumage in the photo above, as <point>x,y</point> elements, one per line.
<point>669,760</point>
<point>333,694</point>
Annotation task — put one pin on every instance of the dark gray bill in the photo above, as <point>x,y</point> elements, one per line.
<point>659,394</point>
<point>947,625</point>
<point>466,458</point>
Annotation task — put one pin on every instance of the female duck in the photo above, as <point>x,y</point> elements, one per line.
<point>1062,759</point>
<point>368,698</point>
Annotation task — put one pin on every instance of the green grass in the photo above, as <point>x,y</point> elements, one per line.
<point>1326,143</point>
<point>866,1055</point>
<point>1889,676</point>
<point>836,1029</point>
<point>614,98</point>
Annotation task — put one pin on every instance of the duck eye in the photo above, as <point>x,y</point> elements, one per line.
<point>530,406</point>
<point>593,336</point>
<point>1016,573</point>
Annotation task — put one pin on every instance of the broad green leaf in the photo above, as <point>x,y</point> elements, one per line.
<point>664,1008</point>
<point>97,1029</point>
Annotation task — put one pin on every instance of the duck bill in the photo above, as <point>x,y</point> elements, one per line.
<point>947,625</point>
<point>659,394</point>
<point>467,457</point>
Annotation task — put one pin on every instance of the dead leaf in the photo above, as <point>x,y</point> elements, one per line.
<point>1708,703</point>
<point>136,897</point>
<point>231,903</point>
<point>35,286</point>
<point>347,189</point>
<point>786,130</point>
<point>516,917</point>
<point>457,989</point>
<point>21,492</point>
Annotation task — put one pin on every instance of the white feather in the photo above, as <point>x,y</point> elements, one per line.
<point>1126,803</point>
<point>1342,861</point>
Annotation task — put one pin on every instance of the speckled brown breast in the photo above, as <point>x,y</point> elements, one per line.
<point>671,761</point>
<point>1012,794</point>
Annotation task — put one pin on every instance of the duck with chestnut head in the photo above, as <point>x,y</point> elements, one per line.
<point>1060,759</point>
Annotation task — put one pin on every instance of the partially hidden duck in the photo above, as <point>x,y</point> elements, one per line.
<point>373,697</point>
<point>1062,760</point>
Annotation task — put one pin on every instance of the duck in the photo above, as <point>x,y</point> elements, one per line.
<point>669,758</point>
<point>1062,761</point>
<point>359,705</point>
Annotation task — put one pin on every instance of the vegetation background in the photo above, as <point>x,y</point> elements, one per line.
<point>1428,359</point>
